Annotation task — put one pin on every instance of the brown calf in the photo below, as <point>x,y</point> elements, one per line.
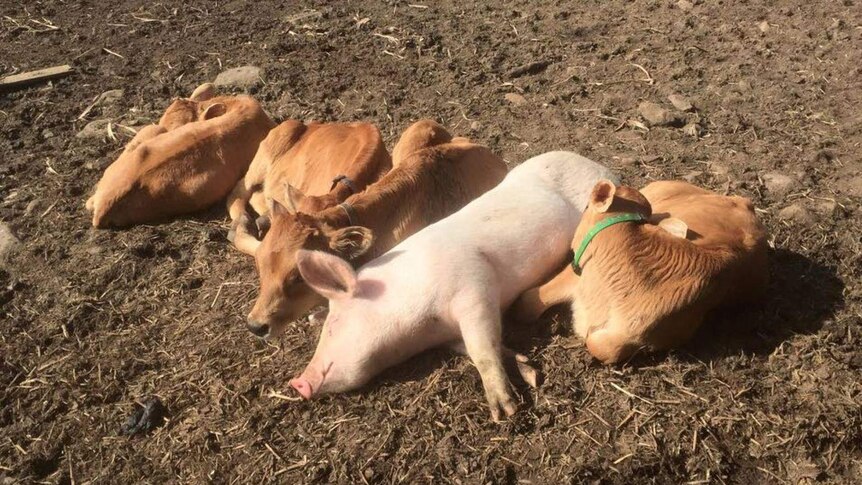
<point>648,284</point>
<point>295,167</point>
<point>189,161</point>
<point>434,176</point>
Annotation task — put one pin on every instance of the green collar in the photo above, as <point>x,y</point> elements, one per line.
<point>599,227</point>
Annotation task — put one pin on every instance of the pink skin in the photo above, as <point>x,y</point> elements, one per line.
<point>447,284</point>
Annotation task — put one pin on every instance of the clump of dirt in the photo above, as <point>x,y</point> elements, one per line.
<point>95,321</point>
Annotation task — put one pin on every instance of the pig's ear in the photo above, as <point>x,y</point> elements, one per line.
<point>328,275</point>
<point>350,242</point>
<point>603,195</point>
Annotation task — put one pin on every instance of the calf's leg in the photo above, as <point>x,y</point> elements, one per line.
<point>535,301</point>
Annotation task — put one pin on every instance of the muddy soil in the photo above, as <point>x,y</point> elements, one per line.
<point>94,322</point>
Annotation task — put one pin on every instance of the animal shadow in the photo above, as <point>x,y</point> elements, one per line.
<point>802,295</point>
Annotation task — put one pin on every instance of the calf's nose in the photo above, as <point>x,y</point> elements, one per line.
<point>259,329</point>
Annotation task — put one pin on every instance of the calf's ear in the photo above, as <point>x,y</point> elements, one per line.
<point>203,92</point>
<point>294,197</point>
<point>351,242</point>
<point>214,111</point>
<point>603,195</point>
<point>328,275</point>
<point>674,226</point>
<point>275,208</point>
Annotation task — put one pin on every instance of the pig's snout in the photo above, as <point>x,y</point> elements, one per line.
<point>258,328</point>
<point>302,386</point>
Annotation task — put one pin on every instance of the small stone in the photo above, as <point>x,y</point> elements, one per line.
<point>240,77</point>
<point>47,134</point>
<point>628,161</point>
<point>32,207</point>
<point>655,115</point>
<point>778,183</point>
<point>684,5</point>
<point>8,241</point>
<point>368,473</point>
<point>94,129</point>
<point>531,68</point>
<point>763,26</point>
<point>680,102</point>
<point>516,99</point>
<point>110,97</point>
<point>692,129</point>
<point>743,87</point>
<point>475,125</point>
<point>796,212</point>
<point>719,168</point>
<point>826,208</point>
<point>692,177</point>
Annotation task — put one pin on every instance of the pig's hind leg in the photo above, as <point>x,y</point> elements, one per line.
<point>478,317</point>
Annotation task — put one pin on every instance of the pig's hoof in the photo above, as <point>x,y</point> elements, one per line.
<point>515,361</point>
<point>318,317</point>
<point>502,405</point>
<point>528,373</point>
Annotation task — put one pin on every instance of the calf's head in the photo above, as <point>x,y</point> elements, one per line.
<point>284,296</point>
<point>608,200</point>
<point>356,340</point>
<point>122,194</point>
<point>196,108</point>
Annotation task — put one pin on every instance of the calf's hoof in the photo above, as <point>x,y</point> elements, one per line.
<point>242,223</point>
<point>262,223</point>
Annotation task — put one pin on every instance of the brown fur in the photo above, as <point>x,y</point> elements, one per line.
<point>640,286</point>
<point>187,162</point>
<point>307,157</point>
<point>434,176</point>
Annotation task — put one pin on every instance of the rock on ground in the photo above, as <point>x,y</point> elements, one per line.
<point>8,241</point>
<point>110,97</point>
<point>516,99</point>
<point>655,115</point>
<point>796,212</point>
<point>680,102</point>
<point>94,129</point>
<point>778,183</point>
<point>240,77</point>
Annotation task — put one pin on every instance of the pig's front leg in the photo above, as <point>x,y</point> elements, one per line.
<point>512,359</point>
<point>479,321</point>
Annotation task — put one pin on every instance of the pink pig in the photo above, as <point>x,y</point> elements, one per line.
<point>447,284</point>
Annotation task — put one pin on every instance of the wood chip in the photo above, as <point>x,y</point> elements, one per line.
<point>17,81</point>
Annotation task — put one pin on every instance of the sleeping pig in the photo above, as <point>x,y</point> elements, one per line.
<point>447,284</point>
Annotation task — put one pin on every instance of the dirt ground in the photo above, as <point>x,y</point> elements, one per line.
<point>93,321</point>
